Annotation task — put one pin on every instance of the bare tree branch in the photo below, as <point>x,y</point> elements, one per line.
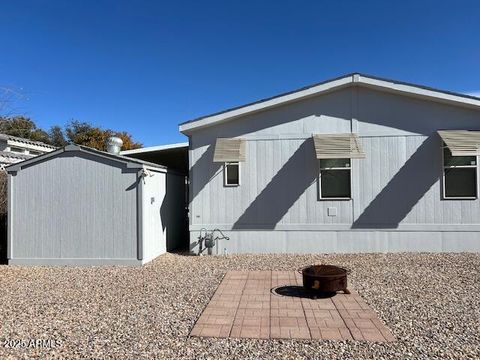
<point>9,97</point>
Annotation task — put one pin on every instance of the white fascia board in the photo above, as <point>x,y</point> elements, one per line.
<point>260,106</point>
<point>131,163</point>
<point>355,79</point>
<point>18,166</point>
<point>155,148</point>
<point>417,91</point>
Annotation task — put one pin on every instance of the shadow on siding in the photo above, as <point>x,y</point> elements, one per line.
<point>285,188</point>
<point>198,170</point>
<point>419,173</point>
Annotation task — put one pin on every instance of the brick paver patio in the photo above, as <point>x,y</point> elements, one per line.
<point>245,306</point>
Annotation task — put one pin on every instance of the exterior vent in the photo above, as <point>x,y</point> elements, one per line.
<point>114,145</point>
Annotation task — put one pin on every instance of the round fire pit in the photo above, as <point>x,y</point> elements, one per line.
<point>325,278</point>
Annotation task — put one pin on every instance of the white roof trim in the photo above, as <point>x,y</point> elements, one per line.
<point>155,148</point>
<point>349,80</point>
<point>24,142</point>
<point>130,162</point>
<point>229,115</point>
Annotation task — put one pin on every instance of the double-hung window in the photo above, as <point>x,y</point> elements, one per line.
<point>231,174</point>
<point>459,176</point>
<point>335,152</point>
<point>335,179</point>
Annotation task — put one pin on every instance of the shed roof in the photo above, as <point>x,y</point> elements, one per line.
<point>120,158</point>
<point>354,79</point>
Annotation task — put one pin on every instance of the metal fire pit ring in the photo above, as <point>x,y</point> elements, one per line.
<point>325,278</point>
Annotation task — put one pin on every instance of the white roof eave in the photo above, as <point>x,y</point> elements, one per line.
<point>155,148</point>
<point>350,80</point>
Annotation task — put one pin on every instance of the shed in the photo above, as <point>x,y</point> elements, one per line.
<point>80,206</point>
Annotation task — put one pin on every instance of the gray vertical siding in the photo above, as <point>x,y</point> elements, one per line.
<point>396,189</point>
<point>401,184</point>
<point>74,206</point>
<point>276,188</point>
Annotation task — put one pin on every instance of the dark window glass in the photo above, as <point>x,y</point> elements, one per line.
<point>232,174</point>
<point>16,149</point>
<point>450,160</point>
<point>335,183</point>
<point>461,182</point>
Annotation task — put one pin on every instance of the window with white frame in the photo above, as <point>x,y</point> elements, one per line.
<point>335,179</point>
<point>459,176</point>
<point>231,174</point>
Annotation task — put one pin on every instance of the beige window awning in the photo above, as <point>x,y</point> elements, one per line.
<point>229,150</point>
<point>337,146</point>
<point>461,142</point>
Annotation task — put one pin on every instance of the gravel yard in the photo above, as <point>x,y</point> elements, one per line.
<point>431,302</point>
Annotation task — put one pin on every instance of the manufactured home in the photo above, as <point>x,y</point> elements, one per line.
<point>14,149</point>
<point>354,164</point>
<point>80,206</point>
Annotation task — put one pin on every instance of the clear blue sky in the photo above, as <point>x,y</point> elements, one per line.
<point>146,66</point>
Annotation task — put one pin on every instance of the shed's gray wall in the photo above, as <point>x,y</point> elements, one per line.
<point>74,208</point>
<point>395,190</point>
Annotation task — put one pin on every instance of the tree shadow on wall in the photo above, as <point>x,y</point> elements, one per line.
<point>419,173</point>
<point>285,188</point>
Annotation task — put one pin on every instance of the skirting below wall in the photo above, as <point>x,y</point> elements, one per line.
<point>355,241</point>
<point>75,262</point>
<point>341,227</point>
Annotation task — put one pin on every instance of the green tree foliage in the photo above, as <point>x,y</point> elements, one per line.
<point>76,132</point>
<point>128,142</point>
<point>23,127</point>
<point>83,133</point>
<point>57,136</point>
